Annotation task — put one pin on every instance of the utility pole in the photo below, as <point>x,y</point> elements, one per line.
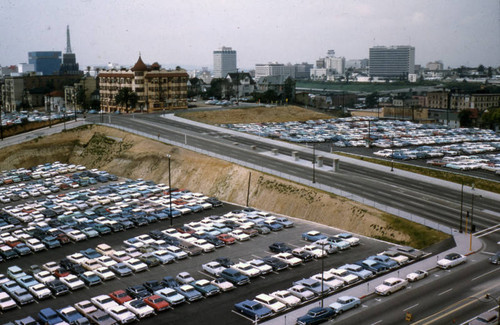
<point>314,163</point>
<point>461,206</point>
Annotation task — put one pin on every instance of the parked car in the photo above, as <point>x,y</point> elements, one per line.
<point>416,275</point>
<point>70,315</point>
<point>451,260</point>
<point>139,308</point>
<point>6,302</point>
<point>223,284</point>
<point>213,268</point>
<point>254,310</point>
<point>270,302</point>
<point>103,302</point>
<point>235,277</point>
<point>189,292</point>
<point>275,263</point>
<point>49,316</point>
<point>171,295</point>
<point>313,236</point>
<point>184,278</point>
<point>390,286</point>
<point>122,314</point>
<point>495,259</point>
<point>316,315</point>
<point>280,247</point>
<point>40,291</point>
<point>57,287</point>
<point>344,303</point>
<point>102,318</point>
<point>205,287</point>
<point>314,286</point>
<point>120,296</point>
<point>286,297</point>
<point>90,278</point>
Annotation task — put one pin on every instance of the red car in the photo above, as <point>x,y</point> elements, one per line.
<point>157,302</point>
<point>227,239</point>
<point>120,296</point>
<point>61,272</point>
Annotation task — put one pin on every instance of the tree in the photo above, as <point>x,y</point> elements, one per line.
<point>126,97</point>
<point>490,72</point>
<point>465,118</point>
<point>289,90</point>
<point>80,98</point>
<point>480,68</point>
<point>372,100</point>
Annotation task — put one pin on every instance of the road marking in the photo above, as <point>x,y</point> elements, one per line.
<point>380,321</point>
<point>364,306</point>
<point>410,307</point>
<point>480,276</point>
<point>442,293</point>
<point>234,311</point>
<point>256,256</point>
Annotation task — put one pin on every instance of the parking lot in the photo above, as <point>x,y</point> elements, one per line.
<point>210,309</point>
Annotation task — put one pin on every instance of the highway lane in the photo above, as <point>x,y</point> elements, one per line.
<point>430,201</point>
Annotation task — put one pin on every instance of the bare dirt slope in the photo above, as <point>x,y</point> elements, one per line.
<point>134,157</point>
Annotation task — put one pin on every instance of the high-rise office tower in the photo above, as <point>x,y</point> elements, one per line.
<point>392,62</point>
<point>224,62</point>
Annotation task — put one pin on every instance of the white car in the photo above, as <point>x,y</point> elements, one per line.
<point>104,273</point>
<point>270,302</point>
<point>315,251</point>
<point>136,265</point>
<point>35,245</point>
<point>395,256</point>
<point>345,276</point>
<point>259,264</point>
<point>85,307</point>
<point>6,302</point>
<point>286,297</point>
<point>239,235</point>
<point>289,259</point>
<point>353,241</point>
<point>184,278</point>
<point>77,258</point>
<point>451,260</point>
<point>122,314</point>
<point>91,264</point>
<point>139,308</point>
<point>51,266</point>
<point>204,245</point>
<point>76,235</point>
<point>103,302</point>
<point>301,292</point>
<point>213,268</point>
<point>40,291</point>
<point>176,252</point>
<point>44,277</point>
<point>417,275</point>
<point>330,280</point>
<point>106,261</point>
<point>223,284</point>
<point>391,285</point>
<point>104,249</point>
<point>72,281</point>
<point>246,269</point>
<point>120,256</point>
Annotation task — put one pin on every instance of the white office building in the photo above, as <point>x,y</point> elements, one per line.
<point>224,62</point>
<point>392,62</point>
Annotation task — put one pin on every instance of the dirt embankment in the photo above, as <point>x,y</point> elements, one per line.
<point>134,157</point>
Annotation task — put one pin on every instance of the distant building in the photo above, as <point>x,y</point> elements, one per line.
<point>392,62</point>
<point>303,70</point>
<point>274,69</point>
<point>79,95</point>
<point>25,68</point>
<point>357,64</point>
<point>276,83</point>
<point>242,82</point>
<point>46,62</point>
<point>224,62</point>
<point>329,67</point>
<point>69,65</point>
<point>157,89</point>
<point>434,66</point>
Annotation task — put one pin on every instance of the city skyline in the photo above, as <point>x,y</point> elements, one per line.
<point>185,33</point>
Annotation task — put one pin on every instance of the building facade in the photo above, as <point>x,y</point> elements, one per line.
<point>392,62</point>
<point>157,89</point>
<point>242,82</point>
<point>224,62</point>
<point>46,62</point>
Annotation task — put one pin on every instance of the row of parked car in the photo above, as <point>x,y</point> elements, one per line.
<point>355,131</point>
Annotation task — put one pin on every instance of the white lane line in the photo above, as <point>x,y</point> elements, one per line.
<point>415,305</point>
<point>380,321</point>
<point>442,293</point>
<point>480,276</point>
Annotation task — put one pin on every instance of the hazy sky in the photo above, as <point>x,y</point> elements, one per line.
<point>185,32</point>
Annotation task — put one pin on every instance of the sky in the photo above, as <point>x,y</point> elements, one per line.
<point>186,32</point>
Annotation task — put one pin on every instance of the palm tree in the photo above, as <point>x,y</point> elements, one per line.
<point>127,98</point>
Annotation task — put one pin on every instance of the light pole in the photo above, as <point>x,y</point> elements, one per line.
<point>314,163</point>
<point>322,271</point>
<point>461,207</point>
<point>392,153</point>
<point>169,191</point>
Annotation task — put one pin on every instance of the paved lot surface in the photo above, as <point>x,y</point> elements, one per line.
<point>211,309</point>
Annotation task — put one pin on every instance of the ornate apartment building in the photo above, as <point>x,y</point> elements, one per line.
<point>157,89</point>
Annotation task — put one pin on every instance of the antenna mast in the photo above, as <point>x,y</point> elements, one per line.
<point>68,41</point>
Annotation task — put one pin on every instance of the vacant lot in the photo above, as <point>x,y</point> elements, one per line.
<point>255,115</point>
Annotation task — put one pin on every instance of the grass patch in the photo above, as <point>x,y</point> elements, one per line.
<point>479,183</point>
<point>421,236</point>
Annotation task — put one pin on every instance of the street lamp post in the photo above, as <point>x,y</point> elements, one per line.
<point>392,153</point>
<point>322,271</point>
<point>169,191</point>
<point>314,162</point>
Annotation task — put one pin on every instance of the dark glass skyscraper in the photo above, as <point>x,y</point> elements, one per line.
<point>46,62</point>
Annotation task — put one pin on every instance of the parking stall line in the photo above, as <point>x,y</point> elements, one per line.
<point>248,318</point>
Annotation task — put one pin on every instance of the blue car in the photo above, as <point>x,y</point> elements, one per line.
<point>22,249</point>
<point>316,315</point>
<point>253,309</point>
<point>235,277</point>
<point>189,292</point>
<point>384,260</point>
<point>372,266</point>
<point>49,316</point>
<point>90,253</point>
<point>313,236</point>
<point>357,270</point>
<point>90,278</point>
<point>69,314</point>
<point>26,281</point>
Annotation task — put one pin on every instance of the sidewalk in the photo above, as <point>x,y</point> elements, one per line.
<point>56,128</point>
<point>366,289</point>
